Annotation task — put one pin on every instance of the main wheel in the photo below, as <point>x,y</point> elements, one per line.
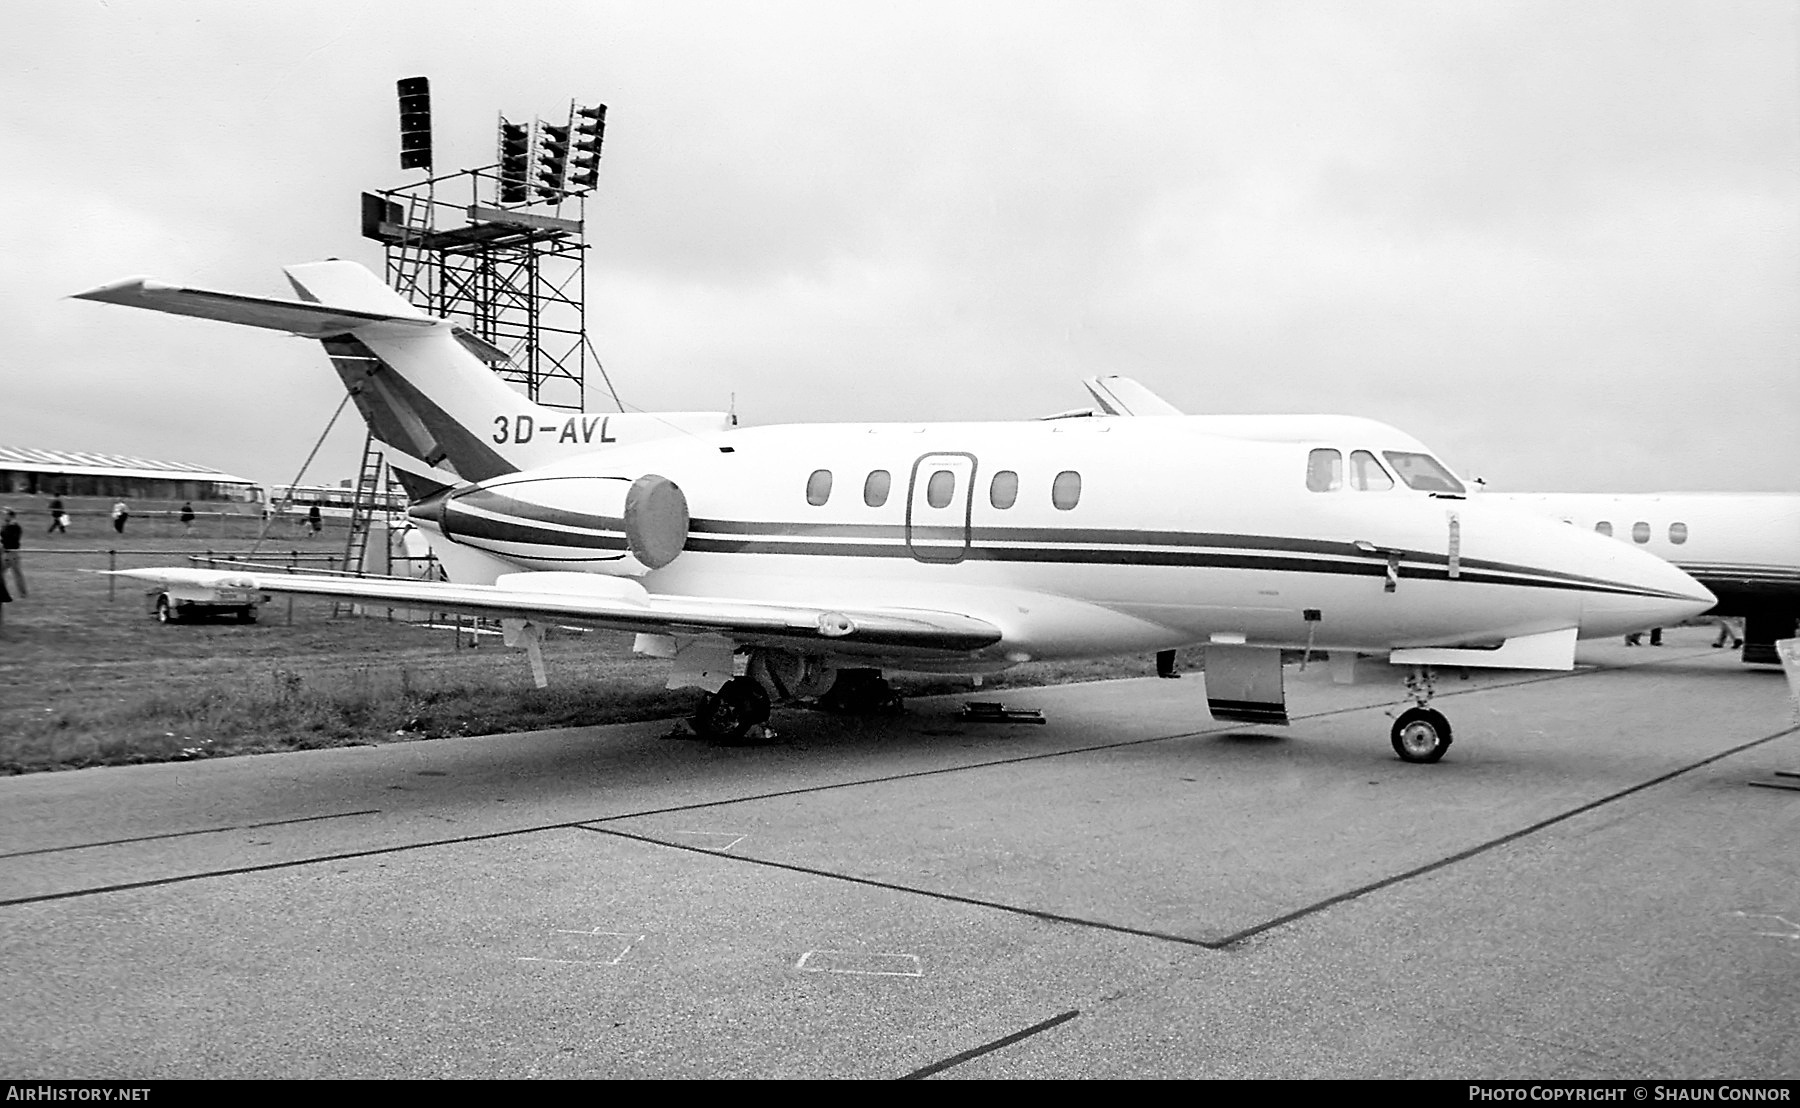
<point>728,714</point>
<point>859,692</point>
<point>1421,735</point>
<point>166,612</point>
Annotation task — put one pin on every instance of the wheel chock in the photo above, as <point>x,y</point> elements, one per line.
<point>987,711</point>
<point>1788,780</point>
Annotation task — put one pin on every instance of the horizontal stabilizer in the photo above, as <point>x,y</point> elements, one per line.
<point>595,601</point>
<point>1547,650</point>
<point>297,316</point>
<point>1243,684</point>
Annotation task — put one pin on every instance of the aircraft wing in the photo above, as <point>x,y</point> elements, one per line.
<point>619,604</point>
<point>300,317</point>
<point>1122,396</point>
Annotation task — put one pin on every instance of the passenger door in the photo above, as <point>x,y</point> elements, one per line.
<point>939,502</point>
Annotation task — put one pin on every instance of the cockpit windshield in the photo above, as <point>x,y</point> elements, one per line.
<point>1423,473</point>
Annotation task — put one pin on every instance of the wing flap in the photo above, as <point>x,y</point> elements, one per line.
<point>620,608</point>
<point>299,317</point>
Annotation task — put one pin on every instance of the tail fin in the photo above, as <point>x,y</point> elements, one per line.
<point>418,381</point>
<point>1122,396</point>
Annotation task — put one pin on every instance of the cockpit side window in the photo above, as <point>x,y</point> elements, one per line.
<point>1366,473</point>
<point>1423,473</point>
<point>1324,470</point>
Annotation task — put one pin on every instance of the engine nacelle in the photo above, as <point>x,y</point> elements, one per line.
<point>614,525</point>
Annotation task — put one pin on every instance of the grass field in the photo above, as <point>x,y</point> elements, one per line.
<point>87,677</point>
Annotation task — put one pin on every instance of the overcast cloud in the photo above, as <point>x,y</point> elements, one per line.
<point>1560,242</point>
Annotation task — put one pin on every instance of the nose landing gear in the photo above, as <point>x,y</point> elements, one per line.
<point>1421,734</point>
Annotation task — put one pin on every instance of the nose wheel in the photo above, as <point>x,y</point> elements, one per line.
<point>1421,735</point>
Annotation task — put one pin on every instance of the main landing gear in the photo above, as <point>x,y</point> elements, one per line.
<point>859,692</point>
<point>1421,734</point>
<point>742,704</point>
<point>729,714</point>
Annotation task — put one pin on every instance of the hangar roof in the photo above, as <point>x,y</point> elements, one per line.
<point>27,459</point>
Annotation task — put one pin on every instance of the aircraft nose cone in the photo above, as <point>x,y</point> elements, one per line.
<point>1642,591</point>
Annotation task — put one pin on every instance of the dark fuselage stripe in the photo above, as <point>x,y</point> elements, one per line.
<point>1191,558</point>
<point>1036,544</point>
<point>562,546</point>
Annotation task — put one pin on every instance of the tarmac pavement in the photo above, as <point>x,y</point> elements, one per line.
<point>1586,886</point>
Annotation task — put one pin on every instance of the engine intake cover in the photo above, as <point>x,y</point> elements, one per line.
<point>656,520</point>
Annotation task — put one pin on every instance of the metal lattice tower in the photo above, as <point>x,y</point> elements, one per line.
<point>516,280</point>
<point>461,246</point>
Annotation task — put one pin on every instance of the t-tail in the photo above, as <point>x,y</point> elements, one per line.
<point>423,384</point>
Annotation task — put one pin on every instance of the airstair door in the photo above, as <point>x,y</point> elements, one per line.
<point>939,502</point>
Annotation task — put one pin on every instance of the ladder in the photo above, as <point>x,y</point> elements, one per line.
<point>371,495</point>
<point>410,267</point>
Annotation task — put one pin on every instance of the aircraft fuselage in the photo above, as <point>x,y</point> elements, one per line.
<point>1073,536</point>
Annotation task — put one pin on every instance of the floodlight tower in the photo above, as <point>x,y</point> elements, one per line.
<point>499,249</point>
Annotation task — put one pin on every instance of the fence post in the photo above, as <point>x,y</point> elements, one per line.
<point>112,563</point>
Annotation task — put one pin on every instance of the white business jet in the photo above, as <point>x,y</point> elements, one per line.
<point>1743,546</point>
<point>820,555</point>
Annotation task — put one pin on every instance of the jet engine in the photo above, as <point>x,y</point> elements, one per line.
<point>621,526</point>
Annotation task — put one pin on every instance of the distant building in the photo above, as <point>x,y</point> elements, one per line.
<point>63,473</point>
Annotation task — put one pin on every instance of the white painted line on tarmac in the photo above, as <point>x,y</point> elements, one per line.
<point>860,962</point>
<point>624,941</point>
<point>1792,932</point>
<point>706,840</point>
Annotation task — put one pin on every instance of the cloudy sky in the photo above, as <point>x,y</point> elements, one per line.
<point>1560,241</point>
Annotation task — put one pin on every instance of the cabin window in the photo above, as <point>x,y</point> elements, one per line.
<point>1677,533</point>
<point>1366,473</point>
<point>1065,491</point>
<point>1603,527</point>
<point>1640,532</point>
<point>1004,491</point>
<point>876,486</point>
<point>940,489</point>
<point>818,487</point>
<point>1324,470</point>
<point>1423,472</point>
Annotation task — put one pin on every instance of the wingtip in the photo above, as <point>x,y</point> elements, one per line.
<point>124,289</point>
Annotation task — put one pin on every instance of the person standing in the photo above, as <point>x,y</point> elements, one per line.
<point>119,516</point>
<point>187,515</point>
<point>10,534</point>
<point>314,521</point>
<point>58,521</point>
